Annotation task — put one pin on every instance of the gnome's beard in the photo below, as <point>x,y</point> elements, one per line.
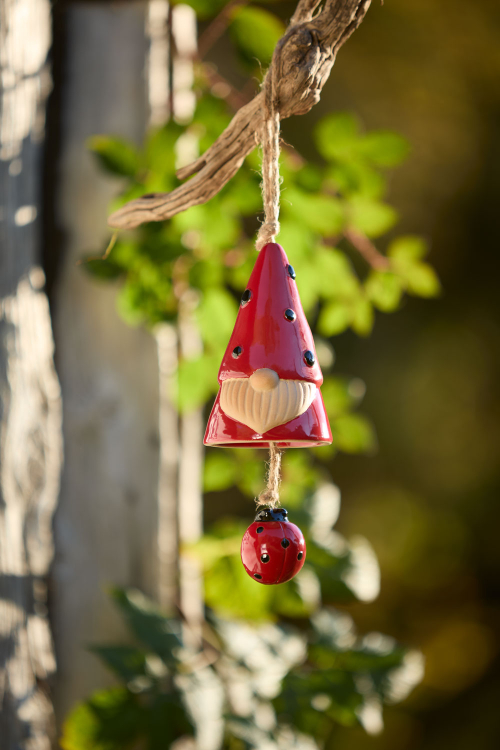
<point>261,410</point>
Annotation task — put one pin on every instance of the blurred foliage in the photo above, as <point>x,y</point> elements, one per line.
<point>298,683</point>
<point>339,232</point>
<point>323,209</point>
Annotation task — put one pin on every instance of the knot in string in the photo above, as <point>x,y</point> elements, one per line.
<point>271,496</point>
<point>270,139</point>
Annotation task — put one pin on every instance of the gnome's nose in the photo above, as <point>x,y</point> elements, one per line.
<point>264,380</point>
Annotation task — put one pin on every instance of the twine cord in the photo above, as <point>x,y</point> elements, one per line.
<point>271,495</point>
<point>270,140</point>
<point>271,182</point>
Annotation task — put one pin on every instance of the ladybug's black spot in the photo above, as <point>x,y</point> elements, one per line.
<point>309,358</point>
<point>264,558</point>
<point>285,543</point>
<point>246,297</point>
<point>291,272</point>
<point>300,556</point>
<point>256,575</point>
<point>290,315</point>
<point>260,530</point>
<point>237,351</point>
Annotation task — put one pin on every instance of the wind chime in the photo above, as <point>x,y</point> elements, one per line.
<point>269,378</point>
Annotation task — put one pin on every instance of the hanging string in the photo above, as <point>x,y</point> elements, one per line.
<point>269,229</point>
<point>271,496</point>
<point>270,140</point>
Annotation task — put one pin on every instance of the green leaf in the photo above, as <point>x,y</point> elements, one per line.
<point>249,480</point>
<point>384,148</point>
<point>321,213</point>
<point>384,289</point>
<point>256,32</point>
<point>148,624</point>
<point>230,591</point>
<point>219,471</point>
<point>238,275</point>
<point>296,237</point>
<point>217,228</point>
<point>80,730</point>
<point>104,270</point>
<point>407,249</point>
<point>335,274</point>
<point>405,254</point>
<point>242,195</point>
<point>353,433</point>
<point>423,281</point>
<point>308,283</point>
<point>363,318</point>
<point>296,701</point>
<point>334,318</point>
<point>210,118</point>
<point>309,177</point>
<point>128,303</point>
<point>335,392</point>
<point>206,274</point>
<point>298,478</point>
<point>371,217</point>
<point>127,662</point>
<point>336,135</point>
<point>110,720</point>
<point>357,176</point>
<point>160,153</point>
<point>197,380</point>
<point>216,316</point>
<point>116,155</point>
<point>212,547</point>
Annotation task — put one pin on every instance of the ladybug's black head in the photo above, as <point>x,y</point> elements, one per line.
<point>272,514</point>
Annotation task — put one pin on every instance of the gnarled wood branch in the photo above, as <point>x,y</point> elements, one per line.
<point>304,58</point>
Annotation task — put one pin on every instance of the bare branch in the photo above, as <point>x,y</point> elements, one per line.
<point>367,250</point>
<point>304,11</point>
<point>303,59</point>
<point>218,26</point>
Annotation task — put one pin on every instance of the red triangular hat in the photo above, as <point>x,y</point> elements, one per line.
<point>271,332</point>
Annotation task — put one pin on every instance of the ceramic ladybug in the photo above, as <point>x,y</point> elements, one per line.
<point>273,550</point>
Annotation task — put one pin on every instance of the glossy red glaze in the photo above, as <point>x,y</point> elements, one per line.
<point>261,329</point>
<point>283,562</point>
<point>310,429</point>
<point>269,340</point>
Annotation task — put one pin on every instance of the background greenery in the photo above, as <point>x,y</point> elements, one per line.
<point>425,497</point>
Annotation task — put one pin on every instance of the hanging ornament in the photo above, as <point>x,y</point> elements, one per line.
<point>273,550</point>
<point>269,378</point>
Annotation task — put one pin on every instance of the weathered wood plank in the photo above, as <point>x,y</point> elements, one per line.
<point>30,402</point>
<point>106,524</point>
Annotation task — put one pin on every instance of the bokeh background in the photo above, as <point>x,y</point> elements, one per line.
<point>426,495</point>
<point>428,499</point>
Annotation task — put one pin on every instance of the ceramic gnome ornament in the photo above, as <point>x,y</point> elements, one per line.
<point>269,377</point>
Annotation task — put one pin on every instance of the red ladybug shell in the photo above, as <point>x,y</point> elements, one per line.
<point>282,542</point>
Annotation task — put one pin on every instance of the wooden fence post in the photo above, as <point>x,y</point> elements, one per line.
<point>30,402</point>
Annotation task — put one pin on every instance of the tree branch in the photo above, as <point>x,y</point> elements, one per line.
<point>367,250</point>
<point>303,58</point>
<point>218,26</point>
